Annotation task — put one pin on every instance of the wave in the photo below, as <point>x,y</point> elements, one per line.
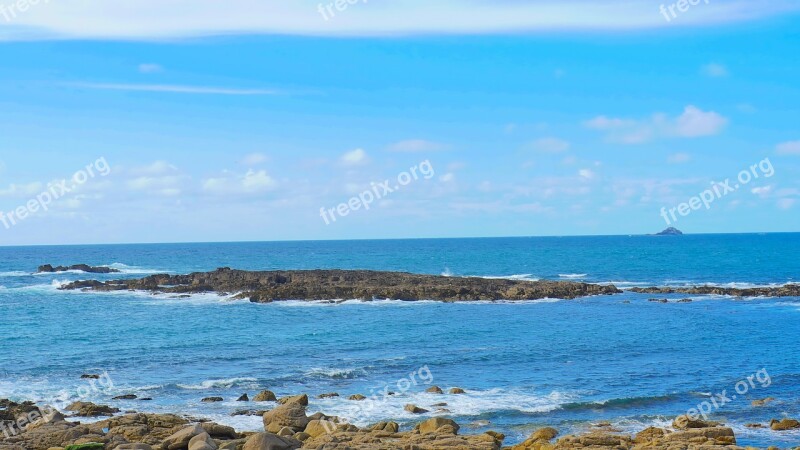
<point>335,373</point>
<point>377,407</point>
<point>518,277</point>
<point>619,403</point>
<point>217,384</point>
<point>573,276</point>
<point>14,273</point>
<point>124,268</point>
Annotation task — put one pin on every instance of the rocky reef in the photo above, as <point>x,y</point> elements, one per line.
<point>48,268</point>
<point>269,286</point>
<point>289,427</point>
<point>789,290</point>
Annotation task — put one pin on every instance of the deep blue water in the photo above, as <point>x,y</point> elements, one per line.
<point>562,363</point>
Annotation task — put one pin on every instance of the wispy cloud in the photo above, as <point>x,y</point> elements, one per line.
<point>417,145</point>
<point>150,68</point>
<point>714,70</point>
<point>692,123</point>
<point>173,89</point>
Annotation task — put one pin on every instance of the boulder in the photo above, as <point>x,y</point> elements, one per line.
<point>686,422</point>
<point>218,431</point>
<point>301,399</point>
<point>784,425</point>
<point>212,400</point>
<point>357,397</point>
<point>762,402</point>
<point>434,390</point>
<point>292,415</point>
<point>269,441</point>
<point>414,409</point>
<point>456,390</point>
<point>438,425</point>
<point>243,398</point>
<point>265,396</point>
<point>328,395</point>
<point>389,427</point>
<point>180,440</point>
<point>317,428</point>
<point>202,442</point>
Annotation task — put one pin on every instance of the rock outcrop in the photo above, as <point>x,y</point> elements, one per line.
<point>265,287</point>
<point>789,290</point>
<point>48,268</point>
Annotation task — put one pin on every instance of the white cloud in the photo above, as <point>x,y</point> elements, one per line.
<point>586,174</point>
<point>714,70</point>
<point>156,168</point>
<point>252,182</point>
<point>173,89</point>
<point>695,122</point>
<point>762,191</point>
<point>692,123</point>
<point>150,68</point>
<point>417,145</point>
<point>604,123</point>
<point>786,203</point>
<point>152,19</point>
<point>355,157</point>
<point>22,190</point>
<point>448,177</point>
<point>789,148</point>
<point>679,158</point>
<point>254,159</point>
<point>550,145</point>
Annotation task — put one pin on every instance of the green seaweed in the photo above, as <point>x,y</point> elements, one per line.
<point>89,446</point>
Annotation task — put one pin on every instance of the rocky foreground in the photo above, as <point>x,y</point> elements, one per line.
<point>288,427</point>
<point>266,287</point>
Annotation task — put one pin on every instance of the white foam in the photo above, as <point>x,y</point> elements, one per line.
<point>216,384</point>
<point>14,273</point>
<point>472,403</point>
<point>124,268</point>
<point>573,276</point>
<point>335,372</point>
<point>517,277</point>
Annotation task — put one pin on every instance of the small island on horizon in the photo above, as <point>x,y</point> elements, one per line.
<point>671,231</point>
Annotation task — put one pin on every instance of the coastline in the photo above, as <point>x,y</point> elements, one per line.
<point>288,426</point>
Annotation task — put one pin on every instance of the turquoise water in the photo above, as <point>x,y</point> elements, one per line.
<point>561,363</point>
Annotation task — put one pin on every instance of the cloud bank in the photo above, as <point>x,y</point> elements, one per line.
<point>151,19</point>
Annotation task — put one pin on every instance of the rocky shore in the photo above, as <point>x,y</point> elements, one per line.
<point>269,286</point>
<point>288,427</point>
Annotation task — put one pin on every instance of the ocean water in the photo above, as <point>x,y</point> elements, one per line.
<point>567,364</point>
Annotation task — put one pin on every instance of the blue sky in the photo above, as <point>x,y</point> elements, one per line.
<point>537,120</point>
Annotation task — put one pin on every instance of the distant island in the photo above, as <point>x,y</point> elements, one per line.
<point>671,231</point>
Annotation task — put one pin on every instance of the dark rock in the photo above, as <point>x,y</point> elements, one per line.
<point>243,398</point>
<point>48,268</point>
<point>671,231</point>
<point>789,290</point>
<point>212,399</point>
<point>265,287</point>
<point>125,397</point>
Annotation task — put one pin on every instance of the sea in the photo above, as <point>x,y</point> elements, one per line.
<point>619,360</point>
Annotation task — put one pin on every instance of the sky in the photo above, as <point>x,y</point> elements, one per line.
<point>140,121</point>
